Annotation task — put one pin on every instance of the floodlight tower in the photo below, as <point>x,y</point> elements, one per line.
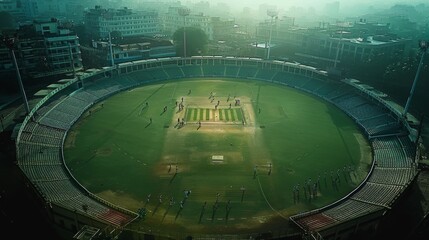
<point>72,60</point>
<point>112,61</point>
<point>423,45</point>
<point>272,14</point>
<point>184,12</point>
<point>338,48</point>
<point>9,42</point>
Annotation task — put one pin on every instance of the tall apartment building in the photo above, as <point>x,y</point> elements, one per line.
<point>130,49</point>
<point>173,21</point>
<point>352,42</point>
<point>100,21</point>
<point>14,7</point>
<point>24,11</point>
<point>44,48</point>
<point>27,10</point>
<point>222,28</point>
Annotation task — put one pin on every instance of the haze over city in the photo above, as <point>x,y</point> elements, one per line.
<point>305,3</point>
<point>308,9</point>
<point>351,7</point>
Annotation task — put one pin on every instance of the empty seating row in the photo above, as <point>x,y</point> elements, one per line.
<point>45,172</point>
<point>378,194</point>
<point>58,190</point>
<point>391,158</point>
<point>36,154</point>
<point>392,176</point>
<point>351,209</point>
<point>86,205</point>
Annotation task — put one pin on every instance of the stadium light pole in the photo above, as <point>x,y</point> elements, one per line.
<point>272,14</point>
<point>184,12</point>
<point>112,62</point>
<point>338,48</point>
<point>423,45</point>
<point>72,60</point>
<point>10,43</point>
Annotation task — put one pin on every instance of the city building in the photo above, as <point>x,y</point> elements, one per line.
<point>223,28</point>
<point>25,11</point>
<point>130,49</point>
<point>12,7</point>
<point>351,42</point>
<point>44,48</point>
<point>99,22</point>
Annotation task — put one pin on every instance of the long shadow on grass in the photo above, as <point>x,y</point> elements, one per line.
<point>202,212</point>
<point>228,209</point>
<point>166,212</point>
<point>178,213</point>
<point>172,178</point>
<point>156,208</point>
<point>144,110</point>
<point>215,206</point>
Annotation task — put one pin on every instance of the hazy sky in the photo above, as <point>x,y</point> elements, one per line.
<point>308,3</point>
<point>309,8</point>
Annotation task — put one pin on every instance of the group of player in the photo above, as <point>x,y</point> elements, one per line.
<point>181,204</point>
<point>311,189</point>
<point>212,97</point>
<point>181,105</point>
<point>171,201</point>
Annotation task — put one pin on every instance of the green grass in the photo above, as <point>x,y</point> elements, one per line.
<point>226,111</point>
<point>195,111</point>
<point>201,114</point>
<point>239,114</point>
<point>116,154</point>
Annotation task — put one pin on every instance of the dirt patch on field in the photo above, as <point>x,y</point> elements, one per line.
<point>248,113</point>
<point>168,166</point>
<point>364,164</point>
<point>258,152</point>
<point>70,139</point>
<point>173,156</point>
<point>121,199</point>
<point>227,157</point>
<point>233,157</point>
<point>261,222</point>
<point>103,152</point>
<point>365,150</point>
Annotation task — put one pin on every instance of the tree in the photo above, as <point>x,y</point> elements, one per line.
<point>196,41</point>
<point>84,37</point>
<point>6,21</point>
